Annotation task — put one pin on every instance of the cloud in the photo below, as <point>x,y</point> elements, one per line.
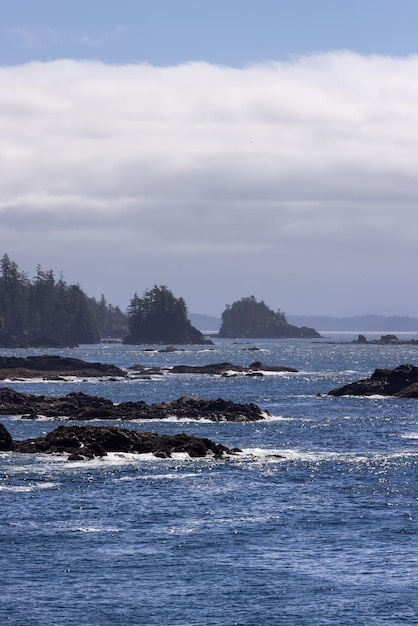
<point>43,38</point>
<point>32,38</point>
<point>261,178</point>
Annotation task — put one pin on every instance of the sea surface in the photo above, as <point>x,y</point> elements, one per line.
<point>314,523</point>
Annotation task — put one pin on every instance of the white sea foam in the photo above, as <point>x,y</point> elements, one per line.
<point>28,488</point>
<point>174,418</point>
<point>94,529</point>
<point>62,380</point>
<point>156,477</point>
<point>286,454</point>
<point>275,418</point>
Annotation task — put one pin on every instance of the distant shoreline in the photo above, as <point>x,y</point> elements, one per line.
<point>323,323</point>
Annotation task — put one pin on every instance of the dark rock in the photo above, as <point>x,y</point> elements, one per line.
<point>80,406</point>
<point>170,349</point>
<point>87,442</point>
<point>6,441</point>
<point>212,369</point>
<point>360,339</point>
<point>49,366</point>
<point>401,382</point>
<point>385,340</point>
<point>222,368</point>
<point>11,341</point>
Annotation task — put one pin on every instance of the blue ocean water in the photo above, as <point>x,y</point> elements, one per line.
<point>316,522</point>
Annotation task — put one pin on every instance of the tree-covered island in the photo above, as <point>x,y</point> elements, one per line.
<point>160,317</point>
<point>252,319</point>
<point>48,312</point>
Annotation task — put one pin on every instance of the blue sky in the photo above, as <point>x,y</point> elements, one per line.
<point>224,149</point>
<point>227,32</point>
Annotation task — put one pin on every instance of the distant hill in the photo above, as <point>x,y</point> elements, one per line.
<point>371,323</point>
<point>205,322</point>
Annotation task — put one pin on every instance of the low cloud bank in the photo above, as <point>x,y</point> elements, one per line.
<point>260,179</point>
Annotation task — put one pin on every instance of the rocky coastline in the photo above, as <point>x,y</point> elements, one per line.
<point>213,369</point>
<point>53,366</point>
<point>400,382</point>
<point>87,442</point>
<point>79,406</point>
<point>385,340</point>
<point>50,367</point>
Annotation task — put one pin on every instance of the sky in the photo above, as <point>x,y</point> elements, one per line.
<point>222,148</point>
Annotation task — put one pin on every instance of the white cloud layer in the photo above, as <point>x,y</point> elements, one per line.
<point>296,182</point>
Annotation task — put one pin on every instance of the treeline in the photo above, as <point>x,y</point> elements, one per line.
<point>48,311</point>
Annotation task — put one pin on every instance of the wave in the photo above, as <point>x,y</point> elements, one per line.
<point>180,459</point>
<point>93,529</point>
<point>61,379</point>
<point>28,488</point>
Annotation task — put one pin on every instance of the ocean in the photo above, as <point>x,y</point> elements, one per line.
<point>314,523</point>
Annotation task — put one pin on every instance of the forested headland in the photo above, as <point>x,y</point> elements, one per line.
<point>46,311</point>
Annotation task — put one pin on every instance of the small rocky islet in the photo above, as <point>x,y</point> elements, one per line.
<point>52,367</point>
<point>79,406</point>
<point>224,369</point>
<point>386,340</point>
<point>400,382</point>
<point>87,442</point>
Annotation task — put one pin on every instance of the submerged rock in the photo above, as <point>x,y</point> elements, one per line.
<point>80,406</point>
<point>401,382</point>
<point>87,442</point>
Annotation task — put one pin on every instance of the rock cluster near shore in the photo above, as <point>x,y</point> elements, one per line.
<point>214,369</point>
<point>80,406</point>
<point>386,340</point>
<point>400,382</point>
<point>87,442</point>
<point>52,366</point>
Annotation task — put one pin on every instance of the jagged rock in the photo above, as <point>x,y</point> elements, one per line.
<point>360,339</point>
<point>385,340</point>
<point>6,441</point>
<point>87,442</point>
<point>52,366</point>
<point>219,369</point>
<point>80,406</point>
<point>401,382</point>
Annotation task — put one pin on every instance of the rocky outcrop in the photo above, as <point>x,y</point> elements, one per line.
<point>80,406</point>
<point>212,369</point>
<point>52,366</point>
<point>6,441</point>
<point>224,368</point>
<point>87,442</point>
<point>401,382</point>
<point>249,318</point>
<point>386,340</point>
